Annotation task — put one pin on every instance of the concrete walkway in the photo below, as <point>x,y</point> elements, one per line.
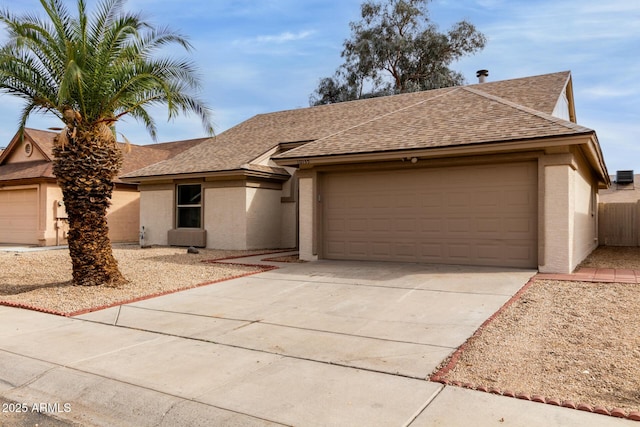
<point>312,344</point>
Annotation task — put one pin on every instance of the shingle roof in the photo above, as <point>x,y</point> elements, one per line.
<point>498,111</point>
<point>26,170</point>
<point>459,117</point>
<point>139,156</point>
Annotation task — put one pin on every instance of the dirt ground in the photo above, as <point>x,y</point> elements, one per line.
<point>42,279</point>
<point>568,342</point>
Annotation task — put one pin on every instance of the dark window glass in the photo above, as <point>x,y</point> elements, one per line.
<point>189,194</point>
<point>189,212</point>
<point>189,217</point>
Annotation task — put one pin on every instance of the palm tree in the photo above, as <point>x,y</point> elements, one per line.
<point>90,71</point>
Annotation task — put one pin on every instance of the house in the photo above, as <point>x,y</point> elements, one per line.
<point>494,174</point>
<point>31,208</point>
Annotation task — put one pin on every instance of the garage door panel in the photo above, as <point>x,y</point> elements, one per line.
<point>519,198</point>
<point>430,198</point>
<point>483,200</point>
<point>458,226</point>
<point>484,215</point>
<point>457,200</point>
<point>19,216</point>
<point>459,251</point>
<point>521,252</point>
<point>381,250</point>
<point>523,226</point>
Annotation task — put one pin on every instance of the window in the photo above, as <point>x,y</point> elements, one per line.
<point>189,209</point>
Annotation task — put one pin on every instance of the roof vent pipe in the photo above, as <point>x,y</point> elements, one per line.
<point>482,75</point>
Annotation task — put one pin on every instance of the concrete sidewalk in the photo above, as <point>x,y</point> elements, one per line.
<point>314,344</point>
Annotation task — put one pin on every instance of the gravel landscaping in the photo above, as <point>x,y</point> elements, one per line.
<point>42,280</point>
<point>575,344</point>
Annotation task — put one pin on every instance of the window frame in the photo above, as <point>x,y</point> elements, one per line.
<point>180,206</point>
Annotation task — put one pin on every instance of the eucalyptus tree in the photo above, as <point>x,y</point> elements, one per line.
<point>396,48</point>
<point>90,70</point>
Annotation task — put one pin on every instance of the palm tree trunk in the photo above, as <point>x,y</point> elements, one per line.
<point>85,164</point>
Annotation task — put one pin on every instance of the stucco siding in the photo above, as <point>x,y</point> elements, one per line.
<point>558,219</point>
<point>289,225</point>
<point>263,218</point>
<point>54,230</point>
<point>584,215</point>
<point>123,216</point>
<point>307,222</point>
<point>225,218</point>
<point>20,155</point>
<point>156,214</point>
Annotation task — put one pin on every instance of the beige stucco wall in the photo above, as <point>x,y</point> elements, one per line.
<point>569,214</point>
<point>289,212</point>
<point>234,216</point>
<point>50,210</point>
<point>225,217</point>
<point>306,217</point>
<point>264,218</point>
<point>18,154</point>
<point>289,225</point>
<point>123,216</point>
<point>585,235</point>
<point>556,218</point>
<point>156,212</point>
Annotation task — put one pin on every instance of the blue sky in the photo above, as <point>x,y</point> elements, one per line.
<point>260,56</point>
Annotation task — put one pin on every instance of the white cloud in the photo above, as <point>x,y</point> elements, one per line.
<point>283,37</point>
<point>602,91</point>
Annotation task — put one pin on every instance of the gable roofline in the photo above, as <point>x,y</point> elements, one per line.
<point>26,134</point>
<point>42,140</point>
<point>322,147</point>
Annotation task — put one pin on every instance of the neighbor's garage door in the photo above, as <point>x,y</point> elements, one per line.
<point>476,215</point>
<point>19,216</point>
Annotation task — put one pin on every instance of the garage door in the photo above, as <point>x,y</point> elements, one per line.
<point>19,216</point>
<point>478,215</point>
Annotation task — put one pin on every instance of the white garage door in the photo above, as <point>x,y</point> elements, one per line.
<point>475,215</point>
<point>19,216</point>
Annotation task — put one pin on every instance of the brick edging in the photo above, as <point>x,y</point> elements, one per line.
<point>269,252</point>
<point>439,375</point>
<point>261,269</point>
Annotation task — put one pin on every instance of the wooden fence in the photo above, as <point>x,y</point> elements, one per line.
<point>619,224</point>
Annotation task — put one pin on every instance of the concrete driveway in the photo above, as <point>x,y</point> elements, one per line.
<point>322,343</point>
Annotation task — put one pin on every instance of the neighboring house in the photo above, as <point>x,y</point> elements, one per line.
<point>625,188</point>
<point>495,174</point>
<point>31,208</point>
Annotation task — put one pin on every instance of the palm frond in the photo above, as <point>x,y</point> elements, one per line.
<point>103,65</point>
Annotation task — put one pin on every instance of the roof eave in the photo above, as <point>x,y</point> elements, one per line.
<point>222,175</point>
<point>25,181</point>
<point>448,151</point>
